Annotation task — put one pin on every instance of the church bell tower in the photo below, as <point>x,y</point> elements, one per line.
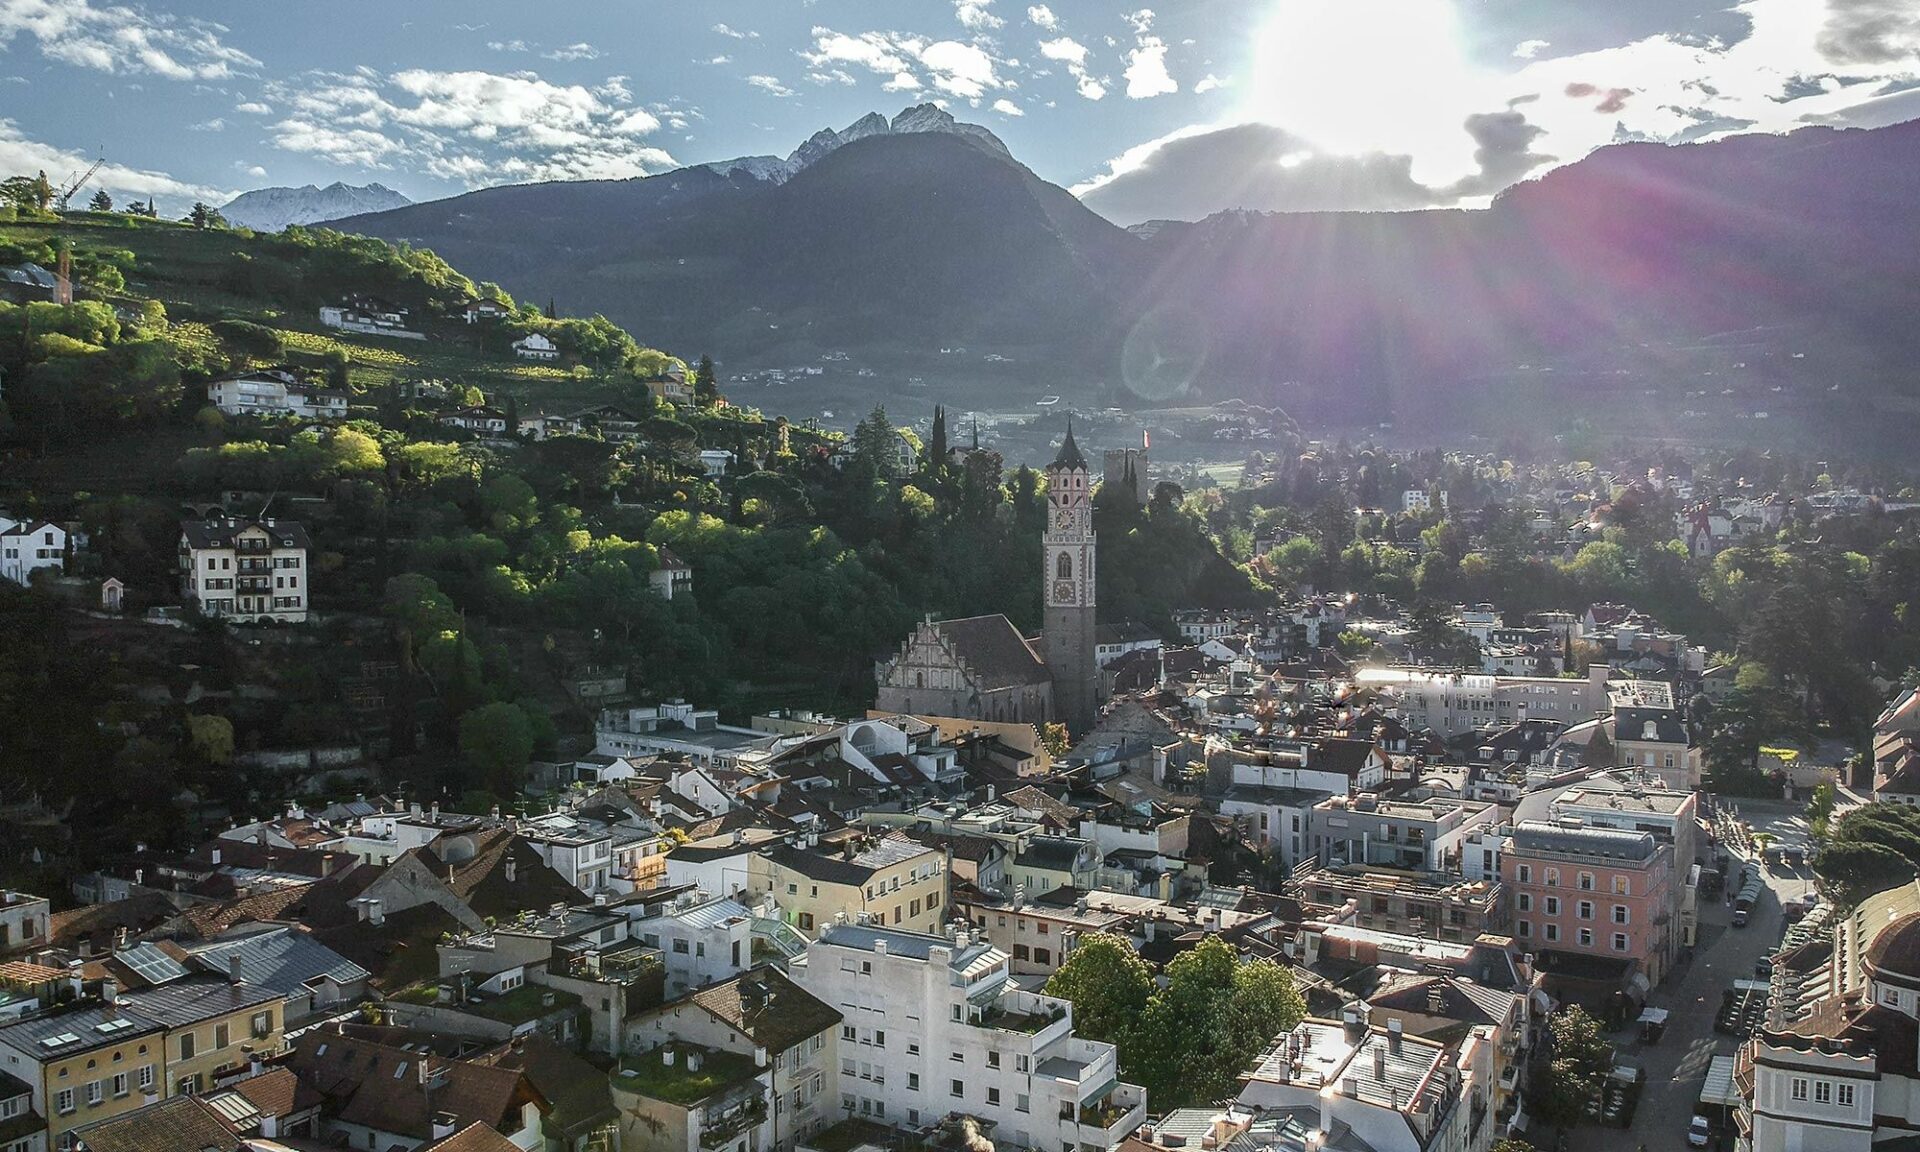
<point>1067,581</point>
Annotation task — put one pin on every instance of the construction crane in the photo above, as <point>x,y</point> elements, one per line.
<point>61,201</point>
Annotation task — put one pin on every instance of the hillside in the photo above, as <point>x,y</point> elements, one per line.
<point>1635,267</point>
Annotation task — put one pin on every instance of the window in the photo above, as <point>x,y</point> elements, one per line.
<point>1042,956</point>
<point>1584,910</point>
<point>1619,941</point>
<point>1553,877</point>
<point>993,1059</point>
<point>879,1037</point>
<point>1553,930</point>
<point>1020,952</point>
<point>847,1067</point>
<point>146,1077</point>
<point>63,1101</point>
<point>1823,1091</point>
<point>1620,914</point>
<point>1622,886</point>
<point>1586,937</point>
<point>186,1046</point>
<point>1843,1095</point>
<point>848,1033</point>
<point>957,1057</point>
<point>1799,1088</point>
<point>1526,902</point>
<point>1019,1062</point>
<point>1022,1104</point>
<point>96,1092</point>
<point>1525,874</point>
<point>1526,928</point>
<point>993,1095</point>
<point>957,1089</point>
<point>1586,881</point>
<point>222,1035</point>
<point>1553,905</point>
<point>913,1081</point>
<point>680,947</point>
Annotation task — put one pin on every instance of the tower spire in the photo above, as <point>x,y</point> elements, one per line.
<point>1070,456</point>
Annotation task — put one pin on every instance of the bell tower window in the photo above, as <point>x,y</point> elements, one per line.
<point>1063,569</point>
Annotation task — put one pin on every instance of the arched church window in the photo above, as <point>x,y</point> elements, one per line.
<point>1063,569</point>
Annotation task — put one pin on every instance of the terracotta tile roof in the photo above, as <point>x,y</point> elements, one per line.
<point>210,920</point>
<point>767,1008</point>
<point>474,1137</point>
<point>182,1124</point>
<point>278,1092</point>
<point>581,1095</point>
<point>25,973</point>
<point>99,922</point>
<point>379,1087</point>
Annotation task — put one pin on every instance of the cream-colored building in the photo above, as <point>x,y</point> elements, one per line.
<point>889,880</point>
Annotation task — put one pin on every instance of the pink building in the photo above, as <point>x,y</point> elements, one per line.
<point>1595,905</point>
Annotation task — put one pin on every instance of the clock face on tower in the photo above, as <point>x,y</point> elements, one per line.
<point>1062,590</point>
<point>1063,518</point>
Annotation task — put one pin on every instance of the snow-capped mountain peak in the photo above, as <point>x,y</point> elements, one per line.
<point>919,118</point>
<point>272,209</point>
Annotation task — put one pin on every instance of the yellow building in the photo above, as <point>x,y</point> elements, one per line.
<point>891,879</point>
<point>86,1065</point>
<point>213,1026</point>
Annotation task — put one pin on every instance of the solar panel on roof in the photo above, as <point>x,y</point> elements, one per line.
<point>151,964</point>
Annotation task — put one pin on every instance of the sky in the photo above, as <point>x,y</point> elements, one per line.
<point>1176,110</point>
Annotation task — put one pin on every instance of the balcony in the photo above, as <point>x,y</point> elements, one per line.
<point>1087,1068</point>
<point>738,1111</point>
<point>1114,1116</point>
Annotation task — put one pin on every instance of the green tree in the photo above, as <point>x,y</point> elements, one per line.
<point>210,738</point>
<point>497,740</point>
<point>30,193</point>
<point>1054,738</point>
<point>204,215</point>
<point>1869,849</point>
<point>874,457</point>
<point>1576,1072</point>
<point>1108,984</point>
<point>1214,1016</point>
<point>101,202</point>
<point>706,387</point>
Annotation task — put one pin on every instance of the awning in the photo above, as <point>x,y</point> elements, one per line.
<point>1653,1016</point>
<point>1719,1087</point>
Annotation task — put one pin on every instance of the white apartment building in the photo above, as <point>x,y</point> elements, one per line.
<point>245,570</point>
<point>933,1027</point>
<point>1398,1093</point>
<point>273,392</point>
<point>1806,1094</point>
<point>1455,703</point>
<point>27,546</point>
<point>24,921</point>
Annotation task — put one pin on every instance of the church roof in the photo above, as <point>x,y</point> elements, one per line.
<point>1069,456</point>
<point>994,650</point>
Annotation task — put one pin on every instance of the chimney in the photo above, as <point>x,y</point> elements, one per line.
<point>443,1122</point>
<point>435,813</point>
<point>376,914</point>
<point>1395,1029</point>
<point>110,990</point>
<point>326,865</point>
<point>233,967</point>
<point>74,981</point>
<point>214,855</point>
<point>513,870</point>
<point>1380,1064</point>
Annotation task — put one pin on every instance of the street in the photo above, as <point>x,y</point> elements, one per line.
<point>1677,1065</point>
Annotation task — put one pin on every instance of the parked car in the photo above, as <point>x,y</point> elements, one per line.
<point>1699,1132</point>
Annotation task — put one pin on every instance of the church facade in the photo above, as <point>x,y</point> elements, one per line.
<point>982,668</point>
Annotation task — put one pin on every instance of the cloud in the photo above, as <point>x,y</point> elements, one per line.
<point>1528,49</point>
<point>1041,16</point>
<point>1208,83</point>
<point>732,33</point>
<point>967,71</point>
<point>1201,170</point>
<point>509,46</point>
<point>723,58</point>
<point>254,108</point>
<point>974,15</point>
<point>1073,54</point>
<point>21,153</point>
<point>1612,100</point>
<point>1871,31</point>
<point>581,51</point>
<point>123,39</point>
<point>771,85</point>
<point>257,172</point>
<point>1008,108</point>
<point>1147,74</point>
<point>214,125</point>
<point>469,126</point>
<point>833,76</point>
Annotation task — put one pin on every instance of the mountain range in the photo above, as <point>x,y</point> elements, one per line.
<point>273,209</point>
<point>904,237</point>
